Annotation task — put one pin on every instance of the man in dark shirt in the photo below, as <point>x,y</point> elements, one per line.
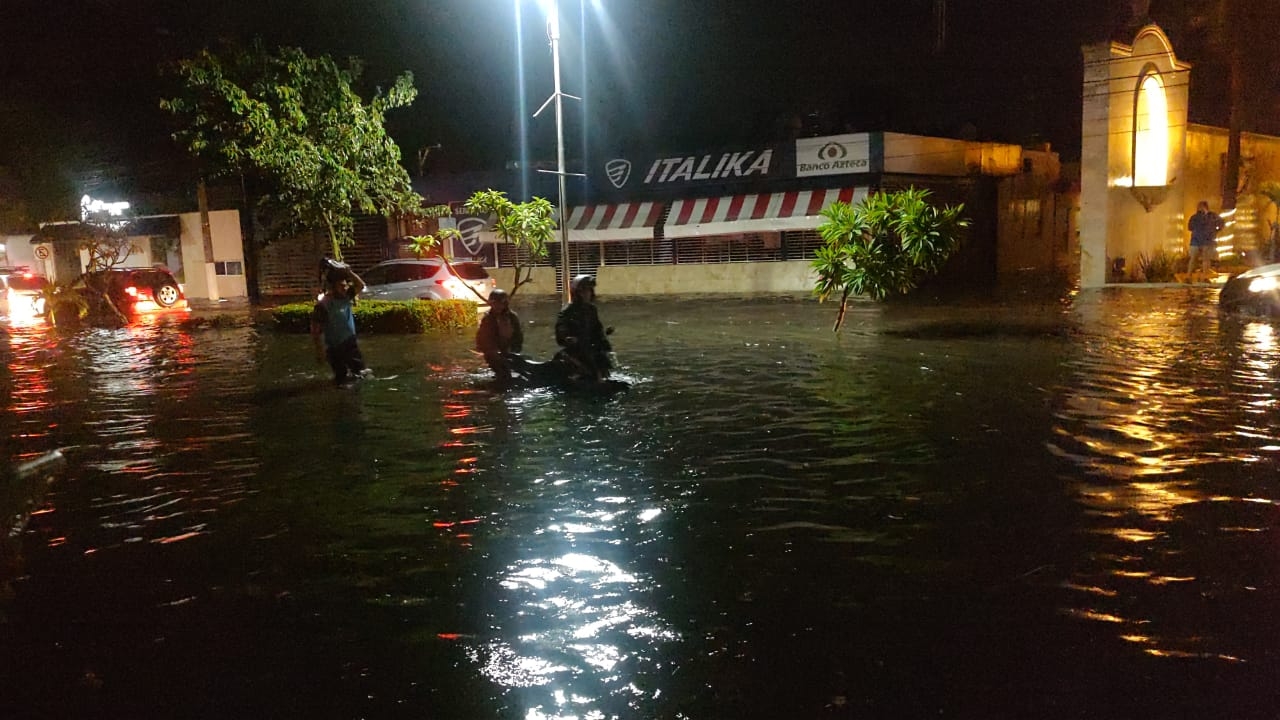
<point>583,339</point>
<point>1204,227</point>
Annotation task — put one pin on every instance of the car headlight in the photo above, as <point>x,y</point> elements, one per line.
<point>1263,284</point>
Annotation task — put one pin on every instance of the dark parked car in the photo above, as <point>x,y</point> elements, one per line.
<point>140,290</point>
<point>1254,291</point>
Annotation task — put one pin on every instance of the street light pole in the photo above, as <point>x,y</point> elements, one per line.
<point>553,30</point>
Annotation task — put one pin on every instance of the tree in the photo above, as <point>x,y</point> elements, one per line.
<point>1236,43</point>
<point>884,245</point>
<point>296,124</point>
<point>529,227</point>
<point>106,247</point>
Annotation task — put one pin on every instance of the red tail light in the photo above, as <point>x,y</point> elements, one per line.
<point>131,291</point>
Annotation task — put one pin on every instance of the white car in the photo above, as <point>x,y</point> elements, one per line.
<point>427,279</point>
<point>20,293</point>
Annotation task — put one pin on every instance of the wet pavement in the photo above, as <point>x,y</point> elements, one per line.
<point>982,508</point>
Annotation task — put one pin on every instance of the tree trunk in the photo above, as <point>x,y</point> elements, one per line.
<point>249,243</point>
<point>333,238</point>
<point>1231,173</point>
<point>844,306</point>
<point>206,233</point>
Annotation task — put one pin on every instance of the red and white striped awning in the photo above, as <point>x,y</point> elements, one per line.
<point>625,221</point>
<point>794,210</point>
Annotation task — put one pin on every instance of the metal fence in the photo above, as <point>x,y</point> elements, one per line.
<point>712,249</point>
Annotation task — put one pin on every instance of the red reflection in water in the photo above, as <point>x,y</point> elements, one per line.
<point>29,353</point>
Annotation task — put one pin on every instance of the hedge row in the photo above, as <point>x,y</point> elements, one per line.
<point>388,316</point>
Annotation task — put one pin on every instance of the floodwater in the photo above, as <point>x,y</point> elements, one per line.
<point>978,509</point>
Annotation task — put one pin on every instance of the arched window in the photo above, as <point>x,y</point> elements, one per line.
<point>1151,133</point>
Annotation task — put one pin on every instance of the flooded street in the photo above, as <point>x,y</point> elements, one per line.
<point>984,509</point>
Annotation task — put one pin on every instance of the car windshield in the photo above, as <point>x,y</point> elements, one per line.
<point>471,271</point>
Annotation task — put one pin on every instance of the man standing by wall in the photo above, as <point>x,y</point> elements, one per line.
<point>1204,227</point>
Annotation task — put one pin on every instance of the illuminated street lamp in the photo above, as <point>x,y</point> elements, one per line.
<point>552,9</point>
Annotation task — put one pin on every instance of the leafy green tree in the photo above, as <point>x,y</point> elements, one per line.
<point>884,245</point>
<point>296,124</point>
<point>529,227</point>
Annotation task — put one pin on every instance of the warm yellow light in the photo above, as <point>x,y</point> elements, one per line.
<point>1151,135</point>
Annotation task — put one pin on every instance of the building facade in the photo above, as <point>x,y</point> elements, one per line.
<point>746,219</point>
<point>1144,167</point>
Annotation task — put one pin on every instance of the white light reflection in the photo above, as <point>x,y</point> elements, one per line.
<point>575,625</point>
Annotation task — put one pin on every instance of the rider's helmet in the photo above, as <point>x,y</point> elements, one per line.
<point>498,295</point>
<point>580,282</point>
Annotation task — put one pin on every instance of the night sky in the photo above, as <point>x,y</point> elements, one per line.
<point>659,74</point>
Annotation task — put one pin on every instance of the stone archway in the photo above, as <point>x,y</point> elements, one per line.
<point>1132,153</point>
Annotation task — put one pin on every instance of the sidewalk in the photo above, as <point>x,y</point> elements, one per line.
<point>201,305</point>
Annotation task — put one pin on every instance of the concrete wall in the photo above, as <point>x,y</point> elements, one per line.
<point>921,155</point>
<point>762,277</point>
<point>201,282</point>
<point>18,250</point>
<point>794,276</point>
<point>1114,222</point>
<point>1260,162</point>
<point>544,280</point>
<point>1035,236</point>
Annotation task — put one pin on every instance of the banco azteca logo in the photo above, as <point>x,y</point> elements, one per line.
<point>618,171</point>
<point>833,151</point>
<point>469,229</point>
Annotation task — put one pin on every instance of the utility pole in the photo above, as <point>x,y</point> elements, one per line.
<point>553,31</point>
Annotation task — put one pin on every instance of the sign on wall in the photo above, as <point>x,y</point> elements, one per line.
<point>833,155</point>
<point>671,172</point>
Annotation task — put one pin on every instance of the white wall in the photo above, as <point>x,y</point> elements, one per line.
<point>224,226</point>
<point>792,276</point>
<point>18,250</point>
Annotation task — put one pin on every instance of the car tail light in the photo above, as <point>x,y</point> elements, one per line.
<point>131,291</point>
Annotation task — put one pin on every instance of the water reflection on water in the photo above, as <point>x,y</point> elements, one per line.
<point>1171,417</point>
<point>975,509</point>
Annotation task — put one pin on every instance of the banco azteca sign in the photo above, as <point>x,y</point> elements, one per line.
<point>833,155</point>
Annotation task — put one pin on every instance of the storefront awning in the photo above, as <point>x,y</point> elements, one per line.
<point>624,221</point>
<point>768,212</point>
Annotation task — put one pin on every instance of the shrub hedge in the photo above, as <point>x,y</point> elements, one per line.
<point>387,316</point>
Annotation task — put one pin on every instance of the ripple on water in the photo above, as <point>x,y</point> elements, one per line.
<point>772,522</point>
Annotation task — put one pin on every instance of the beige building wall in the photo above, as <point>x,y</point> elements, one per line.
<point>921,155</point>
<point>1248,227</point>
<point>792,276</point>
<point>1118,217</point>
<point>201,282</point>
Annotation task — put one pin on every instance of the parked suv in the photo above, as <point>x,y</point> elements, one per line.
<point>21,294</point>
<point>135,290</point>
<point>427,279</point>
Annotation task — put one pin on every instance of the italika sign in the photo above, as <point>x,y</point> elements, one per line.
<point>690,169</point>
<point>833,155</point>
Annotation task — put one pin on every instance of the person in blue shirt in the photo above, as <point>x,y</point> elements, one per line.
<point>333,325</point>
<point>1204,226</point>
